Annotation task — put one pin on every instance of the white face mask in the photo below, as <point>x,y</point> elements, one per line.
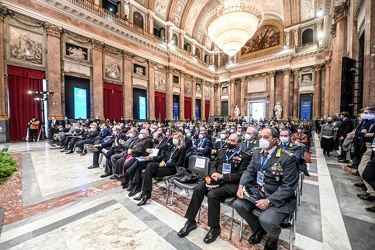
<point>140,136</point>
<point>368,116</point>
<point>175,141</point>
<point>239,133</point>
<point>222,136</point>
<point>247,137</point>
<point>264,143</point>
<point>284,139</point>
<point>200,136</point>
<point>131,135</point>
<point>299,130</point>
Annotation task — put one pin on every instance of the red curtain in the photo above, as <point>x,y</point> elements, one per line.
<point>207,110</point>
<point>22,105</point>
<point>187,107</point>
<point>160,104</point>
<point>112,101</point>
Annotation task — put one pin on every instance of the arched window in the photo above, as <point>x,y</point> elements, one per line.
<point>187,47</point>
<point>225,59</point>
<point>175,39</point>
<point>138,19</point>
<point>197,53</point>
<point>207,59</point>
<point>307,36</point>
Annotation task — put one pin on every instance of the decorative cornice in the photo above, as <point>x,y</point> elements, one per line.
<point>112,50</point>
<point>271,73</point>
<point>318,67</point>
<point>127,55</point>
<point>96,44</point>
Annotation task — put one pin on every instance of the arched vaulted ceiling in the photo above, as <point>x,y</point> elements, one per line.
<point>190,15</point>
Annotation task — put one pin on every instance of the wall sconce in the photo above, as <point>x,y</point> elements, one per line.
<point>54,103</point>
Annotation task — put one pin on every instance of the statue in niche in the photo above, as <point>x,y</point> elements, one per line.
<point>237,111</point>
<point>139,70</point>
<point>126,10</point>
<point>278,109</point>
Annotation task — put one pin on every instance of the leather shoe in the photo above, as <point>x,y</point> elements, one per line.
<point>362,195</point>
<point>212,235</point>
<point>91,167</point>
<point>371,209</point>
<point>256,237</point>
<point>364,188</point>
<point>104,175</point>
<point>189,226</point>
<point>271,245</point>
<point>359,184</point>
<point>368,198</point>
<point>343,161</point>
<point>131,186</point>
<point>112,177</point>
<point>139,197</point>
<point>144,199</point>
<point>135,191</point>
<point>69,152</point>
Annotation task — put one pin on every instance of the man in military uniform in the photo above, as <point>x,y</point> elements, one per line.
<point>274,170</point>
<point>227,168</point>
<point>221,143</point>
<point>251,140</point>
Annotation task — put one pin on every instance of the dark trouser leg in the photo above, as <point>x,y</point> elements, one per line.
<point>138,174</point>
<point>108,167</point>
<point>72,142</point>
<point>147,176</point>
<point>200,191</point>
<point>214,197</point>
<point>368,174</point>
<point>95,158</point>
<point>245,209</point>
<point>270,220</point>
<point>342,152</point>
<point>119,165</point>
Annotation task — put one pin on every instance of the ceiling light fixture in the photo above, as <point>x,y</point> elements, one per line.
<point>233,23</point>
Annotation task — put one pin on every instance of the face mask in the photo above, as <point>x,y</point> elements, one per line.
<point>140,136</point>
<point>167,134</point>
<point>222,136</point>
<point>231,146</point>
<point>247,137</point>
<point>152,130</point>
<point>156,141</point>
<point>371,116</point>
<point>131,135</point>
<point>175,141</point>
<point>264,143</point>
<point>284,139</point>
<point>200,136</point>
<point>239,133</point>
<point>232,131</point>
<point>330,122</point>
<point>299,130</point>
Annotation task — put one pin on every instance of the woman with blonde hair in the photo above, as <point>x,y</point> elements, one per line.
<point>174,158</point>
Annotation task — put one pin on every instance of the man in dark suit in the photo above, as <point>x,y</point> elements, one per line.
<point>203,145</point>
<point>274,169</point>
<point>345,127</point>
<point>251,140</point>
<point>227,168</point>
<point>220,143</point>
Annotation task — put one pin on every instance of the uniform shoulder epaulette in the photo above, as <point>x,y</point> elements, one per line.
<point>243,152</point>
<point>257,148</point>
<point>287,152</point>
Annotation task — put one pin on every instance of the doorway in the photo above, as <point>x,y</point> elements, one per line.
<point>256,110</point>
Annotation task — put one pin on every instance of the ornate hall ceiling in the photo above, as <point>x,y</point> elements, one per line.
<point>190,15</point>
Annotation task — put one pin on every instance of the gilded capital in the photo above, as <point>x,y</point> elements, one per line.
<point>286,71</point>
<point>318,67</point>
<point>271,73</point>
<point>53,30</point>
<point>127,55</point>
<point>340,12</point>
<point>96,44</point>
<point>243,79</point>
<point>296,71</point>
<point>151,63</point>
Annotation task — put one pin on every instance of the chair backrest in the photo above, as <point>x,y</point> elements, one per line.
<point>199,165</point>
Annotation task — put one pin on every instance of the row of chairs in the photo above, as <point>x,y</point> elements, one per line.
<point>203,170</point>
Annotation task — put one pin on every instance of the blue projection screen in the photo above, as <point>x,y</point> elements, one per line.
<point>80,103</point>
<point>142,108</point>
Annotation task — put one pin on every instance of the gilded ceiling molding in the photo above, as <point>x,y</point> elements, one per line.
<point>186,13</point>
<point>199,19</point>
<point>172,8</point>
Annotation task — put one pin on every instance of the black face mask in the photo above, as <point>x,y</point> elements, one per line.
<point>329,122</point>
<point>231,146</point>
<point>156,141</point>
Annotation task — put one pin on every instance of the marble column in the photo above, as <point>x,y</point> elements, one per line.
<point>339,34</point>
<point>218,98</point>
<point>203,101</point>
<point>193,98</point>
<point>327,88</point>
<point>232,101</point>
<point>150,22</point>
<point>169,94</point>
<point>213,104</point>
<point>97,79</point>
<point>182,96</point>
<point>271,93</point>
<point>54,70</point>
<point>286,94</point>
<point>151,90</point>
<point>242,96</point>
<point>317,91</point>
<point>295,93</point>
<point>128,86</point>
<point>3,106</point>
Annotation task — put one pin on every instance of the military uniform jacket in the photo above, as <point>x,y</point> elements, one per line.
<point>238,162</point>
<point>280,178</point>
<point>248,146</point>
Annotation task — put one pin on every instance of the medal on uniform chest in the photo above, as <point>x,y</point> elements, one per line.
<point>277,178</point>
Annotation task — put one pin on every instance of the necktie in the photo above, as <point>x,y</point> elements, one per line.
<point>265,154</point>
